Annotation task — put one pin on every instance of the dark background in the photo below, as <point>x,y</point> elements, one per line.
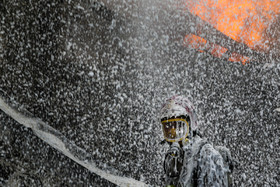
<point>100,78</point>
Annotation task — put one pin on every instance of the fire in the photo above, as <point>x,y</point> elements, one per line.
<point>202,45</point>
<point>235,57</point>
<point>245,21</point>
<point>218,51</point>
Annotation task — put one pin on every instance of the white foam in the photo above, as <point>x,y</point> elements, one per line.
<point>61,143</point>
<point>277,109</point>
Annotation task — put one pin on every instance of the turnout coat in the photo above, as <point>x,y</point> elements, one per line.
<point>203,165</point>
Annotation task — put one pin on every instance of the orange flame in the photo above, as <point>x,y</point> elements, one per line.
<point>243,20</point>
<point>235,57</point>
<point>195,42</point>
<point>203,45</point>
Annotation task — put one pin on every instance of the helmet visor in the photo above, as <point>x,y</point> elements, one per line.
<point>175,130</point>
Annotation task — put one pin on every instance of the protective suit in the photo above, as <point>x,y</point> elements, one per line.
<point>191,160</point>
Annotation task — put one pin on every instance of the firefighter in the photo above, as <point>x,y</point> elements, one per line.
<point>191,160</point>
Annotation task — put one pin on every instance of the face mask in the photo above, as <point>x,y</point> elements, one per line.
<point>175,130</point>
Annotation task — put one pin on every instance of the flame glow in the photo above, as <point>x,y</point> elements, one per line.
<point>235,57</point>
<point>245,21</point>
<point>202,45</point>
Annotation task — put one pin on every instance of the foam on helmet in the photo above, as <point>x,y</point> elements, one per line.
<point>177,106</point>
